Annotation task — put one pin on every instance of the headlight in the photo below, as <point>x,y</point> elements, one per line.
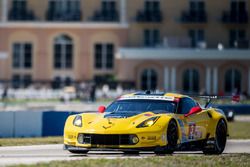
<point>78,121</point>
<point>230,114</point>
<point>149,122</point>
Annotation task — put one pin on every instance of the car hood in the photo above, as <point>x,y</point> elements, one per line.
<point>109,123</point>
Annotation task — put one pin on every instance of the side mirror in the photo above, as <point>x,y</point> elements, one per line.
<point>193,110</point>
<point>101,109</point>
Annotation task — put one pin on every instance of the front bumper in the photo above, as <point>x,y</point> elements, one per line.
<point>146,140</point>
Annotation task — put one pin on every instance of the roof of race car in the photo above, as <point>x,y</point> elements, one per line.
<point>152,96</point>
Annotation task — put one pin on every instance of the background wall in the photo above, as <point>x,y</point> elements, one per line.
<point>51,123</point>
<point>32,124</point>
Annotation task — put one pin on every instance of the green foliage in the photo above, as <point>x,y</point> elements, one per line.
<point>239,130</point>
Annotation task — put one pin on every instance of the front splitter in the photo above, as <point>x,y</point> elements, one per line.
<point>74,148</point>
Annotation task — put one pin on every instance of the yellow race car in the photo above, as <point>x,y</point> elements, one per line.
<point>159,122</point>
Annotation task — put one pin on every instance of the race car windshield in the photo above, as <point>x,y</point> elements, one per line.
<point>140,106</point>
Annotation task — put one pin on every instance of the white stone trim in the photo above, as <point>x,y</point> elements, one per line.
<point>123,12</point>
<point>180,54</point>
<point>166,79</point>
<point>173,79</point>
<point>4,10</point>
<point>76,25</point>
<point>215,80</point>
<point>208,80</point>
<point>3,55</point>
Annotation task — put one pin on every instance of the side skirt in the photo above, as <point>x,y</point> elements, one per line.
<point>195,145</point>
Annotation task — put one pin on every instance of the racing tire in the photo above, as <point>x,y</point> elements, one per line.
<point>78,152</point>
<point>172,138</point>
<point>220,139</point>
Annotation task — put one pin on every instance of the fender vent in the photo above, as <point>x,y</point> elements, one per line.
<point>209,114</point>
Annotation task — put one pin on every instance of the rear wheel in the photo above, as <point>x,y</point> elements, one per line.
<point>78,152</point>
<point>172,137</point>
<point>220,139</point>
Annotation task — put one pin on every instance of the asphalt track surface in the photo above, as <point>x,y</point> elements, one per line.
<point>46,153</point>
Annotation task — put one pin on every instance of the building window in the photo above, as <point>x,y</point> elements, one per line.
<point>19,4</point>
<point>63,52</point>
<point>151,12</point>
<point>108,6</point>
<point>19,11</point>
<point>104,56</point>
<point>68,81</point>
<point>60,82</point>
<point>56,84</point>
<point>108,12</point>
<point>238,13</point>
<point>237,39</point>
<point>151,37</point>
<point>232,81</point>
<point>21,81</point>
<point>22,55</point>
<point>197,37</point>
<point>238,7</point>
<point>152,6</point>
<point>64,10</point>
<point>191,80</point>
<point>196,13</point>
<point>149,79</point>
<point>197,6</point>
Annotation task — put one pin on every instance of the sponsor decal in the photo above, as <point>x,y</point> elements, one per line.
<point>148,115</point>
<point>198,134</point>
<point>183,134</point>
<point>191,131</point>
<point>194,132</point>
<point>140,97</point>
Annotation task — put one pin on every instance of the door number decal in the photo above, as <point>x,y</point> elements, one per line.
<point>191,131</point>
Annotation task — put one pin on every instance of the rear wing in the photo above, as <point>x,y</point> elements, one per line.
<point>210,98</point>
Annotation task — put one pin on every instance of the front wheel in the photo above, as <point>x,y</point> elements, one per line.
<point>172,137</point>
<point>220,139</point>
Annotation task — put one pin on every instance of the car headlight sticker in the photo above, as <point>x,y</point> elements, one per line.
<point>147,123</point>
<point>78,121</point>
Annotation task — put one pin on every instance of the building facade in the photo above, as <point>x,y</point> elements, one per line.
<point>182,45</point>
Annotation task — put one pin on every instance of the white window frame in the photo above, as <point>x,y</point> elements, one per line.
<point>151,38</point>
<point>21,54</point>
<point>151,7</point>
<point>190,78</point>
<point>104,56</point>
<point>149,73</point>
<point>196,36</point>
<point>232,77</point>
<point>61,5</point>
<point>63,44</point>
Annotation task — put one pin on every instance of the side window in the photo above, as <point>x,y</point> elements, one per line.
<point>185,105</point>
